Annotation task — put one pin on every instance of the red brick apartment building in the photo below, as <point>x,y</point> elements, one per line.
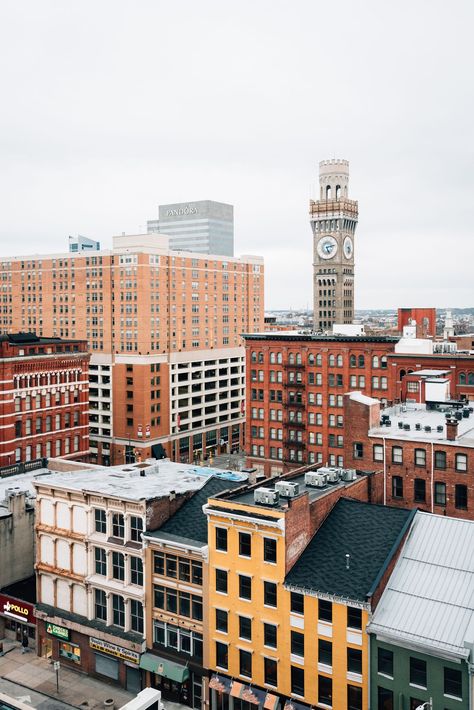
<point>164,330</point>
<point>44,398</point>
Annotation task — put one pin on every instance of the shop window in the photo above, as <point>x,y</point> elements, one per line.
<point>70,651</point>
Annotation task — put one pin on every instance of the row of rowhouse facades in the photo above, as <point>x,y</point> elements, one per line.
<point>194,582</point>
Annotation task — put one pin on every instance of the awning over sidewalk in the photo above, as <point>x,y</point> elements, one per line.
<point>163,667</point>
<point>220,683</point>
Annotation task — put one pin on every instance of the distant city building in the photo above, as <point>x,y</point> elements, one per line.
<point>333,220</point>
<point>206,226</point>
<point>83,244</point>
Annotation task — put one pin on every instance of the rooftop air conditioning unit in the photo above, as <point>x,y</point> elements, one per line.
<point>266,496</point>
<point>314,479</point>
<point>349,474</point>
<point>331,472</point>
<point>287,489</point>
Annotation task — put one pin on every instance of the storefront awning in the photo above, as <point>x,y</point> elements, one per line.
<point>220,683</point>
<point>271,702</point>
<point>251,695</point>
<point>293,705</point>
<point>163,667</point>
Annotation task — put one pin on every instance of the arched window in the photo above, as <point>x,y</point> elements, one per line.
<point>339,360</point>
<point>260,358</point>
<point>402,374</point>
<point>338,192</point>
<point>331,361</point>
<point>328,192</point>
<point>298,359</point>
<point>311,359</point>
<point>383,361</point>
<point>361,361</point>
<point>462,378</point>
<point>279,358</point>
<point>353,361</point>
<point>254,357</point>
<point>470,378</point>
<point>375,361</point>
<point>319,359</point>
<point>272,358</point>
<point>291,359</point>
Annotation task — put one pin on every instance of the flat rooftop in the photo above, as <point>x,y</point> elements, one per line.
<point>413,414</point>
<point>140,481</point>
<point>297,335</point>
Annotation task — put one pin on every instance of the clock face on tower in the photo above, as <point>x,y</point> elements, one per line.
<point>327,247</point>
<point>348,248</point>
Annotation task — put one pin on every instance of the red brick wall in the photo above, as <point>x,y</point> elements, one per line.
<point>298,529</point>
<point>425,320</point>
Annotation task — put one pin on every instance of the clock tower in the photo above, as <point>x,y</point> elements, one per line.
<point>333,220</point>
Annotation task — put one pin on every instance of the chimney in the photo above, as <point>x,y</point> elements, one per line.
<point>452,429</point>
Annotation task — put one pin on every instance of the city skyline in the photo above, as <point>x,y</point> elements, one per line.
<point>99,152</point>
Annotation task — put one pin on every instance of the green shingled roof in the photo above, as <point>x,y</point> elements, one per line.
<point>367,532</point>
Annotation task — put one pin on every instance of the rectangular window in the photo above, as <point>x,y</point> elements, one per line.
<point>297,681</point>
<point>460,497</point>
<point>417,672</point>
<point>324,690</point>
<point>297,643</point>
<point>453,683</point>
<point>384,698</point>
<point>440,459</point>
<point>420,457</point>
<point>158,563</point>
<point>184,604</point>
<point>271,673</point>
<point>196,572</point>
<point>245,587</point>
<point>461,463</point>
<point>245,628</point>
<point>245,545</point>
<point>245,663</point>
<point>222,655</point>
<point>100,521</point>
<point>222,621</point>
<point>100,605</point>
<point>440,493</point>
<point>397,454</point>
<point>118,609</point>
<point>270,635</point>
<point>385,661</point>
<point>378,452</point>
<point>118,566</point>
<point>270,594</point>
<point>419,490</point>
<point>297,603</point>
<point>221,539</point>
<point>354,696</point>
<point>118,525</point>
<point>324,610</point>
<point>159,597</point>
<point>100,561</point>
<point>184,570</point>
<point>136,571</point>
<point>354,618</point>
<point>354,660</point>
<point>397,487</point>
<point>136,614</point>
<point>269,550</point>
<point>136,528</point>
<point>358,450</point>
<point>171,566</point>
<point>325,652</point>
<point>221,581</point>
<point>196,607</point>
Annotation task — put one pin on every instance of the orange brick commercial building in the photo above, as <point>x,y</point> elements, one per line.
<point>44,398</point>
<point>295,389</point>
<point>164,331</point>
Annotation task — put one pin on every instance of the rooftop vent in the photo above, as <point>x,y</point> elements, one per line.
<point>266,496</point>
<point>287,489</point>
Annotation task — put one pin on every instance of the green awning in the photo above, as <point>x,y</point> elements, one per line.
<point>161,666</point>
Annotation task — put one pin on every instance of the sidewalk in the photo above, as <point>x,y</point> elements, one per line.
<point>75,689</point>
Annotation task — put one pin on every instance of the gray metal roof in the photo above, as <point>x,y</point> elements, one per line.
<point>429,599</point>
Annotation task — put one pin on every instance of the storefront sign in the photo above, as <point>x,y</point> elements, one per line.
<point>112,650</point>
<point>59,631</point>
<point>16,609</point>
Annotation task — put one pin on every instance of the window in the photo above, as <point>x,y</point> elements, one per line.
<point>384,699</point>
<point>297,603</point>
<point>118,526</point>
<point>118,566</point>
<point>420,457</point>
<point>222,621</point>
<point>453,683</point>
<point>245,628</point>
<point>158,563</point>
<point>171,566</point>
<point>184,604</point>
<point>196,607</point>
<point>100,561</point>
<point>354,618</point>
<point>461,463</point>
<point>385,661</point>
<point>222,655</point>
<point>100,521</point>
<point>136,571</point>
<point>221,539</point>
<point>245,663</point>
<point>100,605</point>
<point>354,660</point>
<point>136,614</point>
<point>118,610</point>
<point>440,493</point>
<point>270,635</point>
<point>136,528</point>
<point>196,572</point>
<point>397,454</point>
<point>324,690</point>
<point>297,681</point>
<point>245,544</point>
<point>378,452</point>
<point>440,459</point>
<point>184,570</point>
<point>460,497</point>
<point>221,581</point>
<point>269,549</point>
<point>269,594</point>
<point>271,673</point>
<point>397,487</point>
<point>324,610</point>
<point>297,643</point>
<point>358,450</point>
<point>325,652</point>
<point>419,490</point>
<point>354,697</point>
<point>417,672</point>
<point>245,587</point>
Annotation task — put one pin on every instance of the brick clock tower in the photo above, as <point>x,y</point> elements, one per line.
<point>333,220</point>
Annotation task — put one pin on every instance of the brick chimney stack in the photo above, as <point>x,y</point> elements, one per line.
<point>452,429</point>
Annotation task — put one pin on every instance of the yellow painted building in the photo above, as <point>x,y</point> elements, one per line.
<point>289,598</point>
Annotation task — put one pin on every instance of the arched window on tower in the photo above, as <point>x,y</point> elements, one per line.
<point>338,192</point>
<point>462,378</point>
<point>328,192</point>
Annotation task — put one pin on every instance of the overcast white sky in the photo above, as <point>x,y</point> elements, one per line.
<point>111,107</point>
